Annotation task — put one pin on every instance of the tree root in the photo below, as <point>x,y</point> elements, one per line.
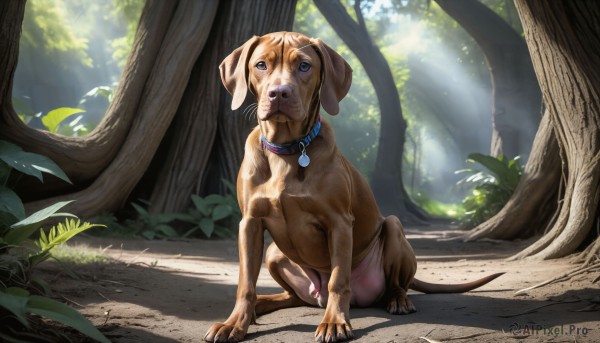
<point>430,340</point>
<point>595,266</point>
<point>541,306</point>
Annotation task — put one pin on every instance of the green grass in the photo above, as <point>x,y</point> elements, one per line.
<point>79,254</point>
<point>438,208</point>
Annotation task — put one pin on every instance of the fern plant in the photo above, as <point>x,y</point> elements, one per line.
<point>18,255</point>
<point>56,236</point>
<point>491,188</point>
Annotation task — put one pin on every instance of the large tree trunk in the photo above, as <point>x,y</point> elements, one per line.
<point>205,126</point>
<point>516,97</point>
<point>160,93</point>
<point>260,17</point>
<point>386,181</point>
<point>170,74</point>
<point>564,41</point>
<point>534,201</point>
<point>83,158</point>
<point>11,19</point>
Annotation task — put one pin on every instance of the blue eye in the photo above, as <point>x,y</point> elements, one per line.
<point>304,66</point>
<point>261,65</point>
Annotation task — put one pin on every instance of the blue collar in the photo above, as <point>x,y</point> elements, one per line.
<point>292,148</point>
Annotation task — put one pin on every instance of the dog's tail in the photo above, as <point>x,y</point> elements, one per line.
<point>426,287</point>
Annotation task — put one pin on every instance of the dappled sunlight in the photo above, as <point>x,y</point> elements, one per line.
<point>68,50</point>
<point>180,302</point>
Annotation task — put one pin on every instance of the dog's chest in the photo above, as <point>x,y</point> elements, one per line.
<point>291,216</point>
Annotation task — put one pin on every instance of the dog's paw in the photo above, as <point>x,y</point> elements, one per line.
<point>400,304</point>
<point>220,332</point>
<point>333,332</point>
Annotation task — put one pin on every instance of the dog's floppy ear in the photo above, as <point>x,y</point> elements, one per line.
<point>336,74</point>
<point>234,72</point>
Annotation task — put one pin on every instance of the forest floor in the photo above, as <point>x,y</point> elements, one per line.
<point>173,291</point>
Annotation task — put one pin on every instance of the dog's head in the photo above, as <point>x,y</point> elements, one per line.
<point>289,73</point>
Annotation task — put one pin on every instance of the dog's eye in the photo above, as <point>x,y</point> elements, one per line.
<point>304,66</point>
<point>261,65</point>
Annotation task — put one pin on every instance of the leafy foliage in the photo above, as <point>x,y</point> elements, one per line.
<point>54,118</point>
<point>129,12</point>
<point>18,254</point>
<point>357,126</point>
<point>153,225</point>
<point>19,302</point>
<point>56,236</point>
<point>214,214</point>
<point>63,120</point>
<point>46,25</point>
<point>211,216</point>
<point>492,187</point>
<point>28,163</point>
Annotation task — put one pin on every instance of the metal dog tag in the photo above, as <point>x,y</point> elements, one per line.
<point>303,160</point>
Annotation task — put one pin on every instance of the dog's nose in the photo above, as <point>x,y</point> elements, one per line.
<point>282,92</point>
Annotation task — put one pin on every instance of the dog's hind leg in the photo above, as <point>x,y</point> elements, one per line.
<point>400,266</point>
<point>287,274</point>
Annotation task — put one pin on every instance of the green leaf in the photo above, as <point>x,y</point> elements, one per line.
<point>41,285</point>
<point>5,170</point>
<point>201,205</point>
<point>7,147</point>
<point>11,203</point>
<point>140,210</point>
<point>23,229</point>
<point>149,234</point>
<point>496,166</point>
<point>190,231</point>
<point>214,199</point>
<point>222,232</point>
<point>103,91</point>
<point>22,107</point>
<point>167,230</point>
<point>53,118</point>
<point>188,218</point>
<point>43,214</point>
<point>63,314</point>
<point>29,163</point>
<point>15,301</point>
<point>61,233</point>
<point>207,226</point>
<point>221,212</point>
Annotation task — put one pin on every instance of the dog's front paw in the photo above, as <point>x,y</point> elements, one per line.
<point>333,332</point>
<point>400,304</point>
<point>221,332</point>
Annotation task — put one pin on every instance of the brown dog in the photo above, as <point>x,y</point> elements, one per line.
<point>332,247</point>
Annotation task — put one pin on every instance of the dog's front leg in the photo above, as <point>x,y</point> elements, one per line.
<point>250,245</point>
<point>335,326</point>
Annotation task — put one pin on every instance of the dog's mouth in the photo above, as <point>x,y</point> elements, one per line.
<point>276,116</point>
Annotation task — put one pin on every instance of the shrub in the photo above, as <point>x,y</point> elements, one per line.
<point>491,188</point>
<point>19,254</point>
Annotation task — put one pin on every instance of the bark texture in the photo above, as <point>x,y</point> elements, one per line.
<point>386,181</point>
<point>158,96</point>
<point>534,201</point>
<point>206,131</point>
<point>516,97</point>
<point>83,158</point>
<point>11,19</point>
<point>170,115</point>
<point>564,41</point>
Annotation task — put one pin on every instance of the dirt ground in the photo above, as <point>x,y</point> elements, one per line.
<point>172,291</point>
